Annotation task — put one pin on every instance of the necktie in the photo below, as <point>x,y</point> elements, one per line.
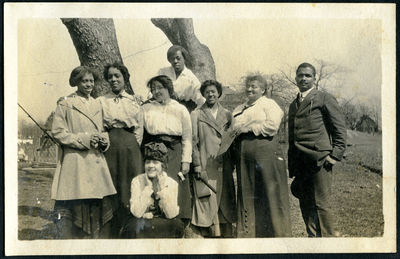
<point>300,99</point>
<point>245,108</point>
<point>116,99</point>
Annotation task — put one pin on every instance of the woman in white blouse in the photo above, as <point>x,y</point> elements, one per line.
<point>263,197</point>
<point>166,121</point>
<point>121,120</point>
<point>186,84</point>
<point>154,200</point>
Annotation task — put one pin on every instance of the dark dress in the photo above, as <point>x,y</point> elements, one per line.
<point>263,196</point>
<point>124,160</point>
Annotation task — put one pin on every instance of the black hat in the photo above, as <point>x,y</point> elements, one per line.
<point>156,151</point>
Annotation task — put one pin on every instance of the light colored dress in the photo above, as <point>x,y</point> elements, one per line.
<point>82,171</point>
<point>161,206</point>
<point>219,208</point>
<point>82,183</point>
<point>142,197</point>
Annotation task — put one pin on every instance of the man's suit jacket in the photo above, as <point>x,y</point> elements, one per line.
<point>316,129</point>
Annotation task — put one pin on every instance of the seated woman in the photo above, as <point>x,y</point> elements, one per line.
<point>154,199</point>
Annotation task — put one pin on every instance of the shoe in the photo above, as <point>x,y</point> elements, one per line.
<point>191,231</point>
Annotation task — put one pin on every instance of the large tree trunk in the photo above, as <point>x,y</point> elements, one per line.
<point>96,43</point>
<point>180,31</point>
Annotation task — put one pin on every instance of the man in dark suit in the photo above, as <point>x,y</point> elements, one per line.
<point>317,137</point>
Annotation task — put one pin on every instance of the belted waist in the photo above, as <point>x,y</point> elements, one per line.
<point>130,130</point>
<point>250,135</point>
<point>168,140</point>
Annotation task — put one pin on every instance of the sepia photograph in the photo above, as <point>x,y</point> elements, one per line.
<point>199,128</point>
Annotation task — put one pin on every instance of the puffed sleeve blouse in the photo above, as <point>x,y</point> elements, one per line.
<point>263,117</point>
<point>170,119</point>
<point>141,198</point>
<point>120,111</point>
<point>187,86</point>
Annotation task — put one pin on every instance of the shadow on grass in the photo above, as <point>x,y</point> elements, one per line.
<point>373,170</point>
<point>34,212</point>
<point>48,232</point>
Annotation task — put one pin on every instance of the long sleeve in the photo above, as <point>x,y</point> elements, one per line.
<point>186,137</point>
<point>270,125</point>
<point>140,197</point>
<point>195,139</point>
<point>169,199</point>
<point>335,126</point>
<point>263,117</point>
<point>139,129</point>
<point>187,85</point>
<point>62,134</point>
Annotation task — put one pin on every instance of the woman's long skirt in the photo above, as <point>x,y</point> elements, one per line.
<point>86,218</point>
<point>263,195</point>
<point>174,147</point>
<point>124,161</point>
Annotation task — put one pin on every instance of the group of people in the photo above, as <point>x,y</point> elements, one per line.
<point>163,168</point>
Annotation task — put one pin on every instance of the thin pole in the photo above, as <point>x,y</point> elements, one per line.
<point>38,125</point>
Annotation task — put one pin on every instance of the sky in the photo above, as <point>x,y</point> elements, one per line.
<point>46,54</point>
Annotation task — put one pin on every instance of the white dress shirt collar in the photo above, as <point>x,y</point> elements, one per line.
<point>305,93</point>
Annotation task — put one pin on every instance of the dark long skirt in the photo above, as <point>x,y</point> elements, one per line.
<point>263,195</point>
<point>86,218</point>
<point>174,147</point>
<point>160,227</point>
<point>124,160</point>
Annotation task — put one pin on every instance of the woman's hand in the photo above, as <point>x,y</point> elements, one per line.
<point>238,131</point>
<point>94,140</point>
<point>197,171</point>
<point>148,215</point>
<point>103,142</point>
<point>185,168</point>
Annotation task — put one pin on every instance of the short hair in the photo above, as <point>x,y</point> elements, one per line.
<point>123,69</point>
<point>165,81</point>
<point>306,65</point>
<point>172,50</point>
<point>207,83</point>
<point>79,72</point>
<point>257,77</point>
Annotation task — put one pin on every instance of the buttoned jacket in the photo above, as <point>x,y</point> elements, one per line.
<point>82,171</point>
<point>316,130</point>
<point>207,134</point>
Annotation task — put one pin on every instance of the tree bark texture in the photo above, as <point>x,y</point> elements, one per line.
<point>180,31</point>
<point>96,43</point>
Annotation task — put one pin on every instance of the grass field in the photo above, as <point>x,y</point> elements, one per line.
<point>357,190</point>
